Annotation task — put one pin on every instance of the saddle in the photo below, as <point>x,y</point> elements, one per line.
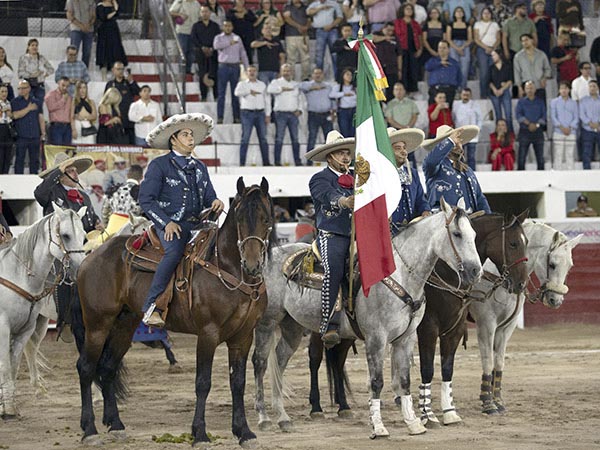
<point>5,235</point>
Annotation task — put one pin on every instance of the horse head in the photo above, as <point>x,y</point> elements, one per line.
<point>66,236</point>
<point>458,249</point>
<point>254,217</point>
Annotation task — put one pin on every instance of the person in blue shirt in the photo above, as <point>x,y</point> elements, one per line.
<point>446,172</point>
<point>176,188</point>
<point>589,114</point>
<point>444,74</point>
<point>531,115</point>
<point>413,202</point>
<point>332,192</point>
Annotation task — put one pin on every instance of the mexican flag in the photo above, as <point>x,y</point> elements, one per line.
<point>377,188</point>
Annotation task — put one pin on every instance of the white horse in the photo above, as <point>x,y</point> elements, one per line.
<point>549,256</point>
<point>26,263</point>
<point>383,318</point>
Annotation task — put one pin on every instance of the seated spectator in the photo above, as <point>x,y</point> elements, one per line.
<point>270,54</point>
<point>129,89</point>
<point>203,35</point>
<point>109,47</point>
<point>60,105</point>
<point>565,58</point>
<point>346,58</point>
<point>281,214</point>
<point>7,141</point>
<point>486,34</point>
<point>7,74</point>
<point>531,64</point>
<point>267,14</point>
<point>570,15</point>
<point>319,106</point>
<point>580,87</point>
<point>111,129</point>
<point>460,36</point>
<point>444,73</point>
<point>72,69</point>
<point>326,17</point>
<point>466,112</point>
<point>82,17</point>
<point>185,13</point>
<point>531,115</point>
<point>582,209</point>
<point>305,230</point>
<point>408,34</point>
<point>117,176</point>
<point>217,13</point>
<point>345,95</point>
<point>502,151</point>
<point>29,122</point>
<point>514,28</point>
<point>146,115</point>
<point>353,11</point>
<point>439,114</point>
<point>589,115</point>
<point>83,116</point>
<point>543,25</point>
<point>296,28</point>
<point>433,33</point>
<point>389,54</point>
<point>35,68</point>
<point>242,20</point>
<point>565,121</point>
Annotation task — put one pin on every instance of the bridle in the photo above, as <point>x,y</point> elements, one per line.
<point>539,294</point>
<point>66,259</point>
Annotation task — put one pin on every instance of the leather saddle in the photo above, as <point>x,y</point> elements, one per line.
<point>5,235</point>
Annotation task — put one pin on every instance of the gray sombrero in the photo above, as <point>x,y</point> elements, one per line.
<point>62,161</point>
<point>199,123</point>
<point>334,142</point>
<point>412,137</point>
<point>469,132</point>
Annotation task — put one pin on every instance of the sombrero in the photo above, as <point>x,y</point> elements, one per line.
<point>199,123</point>
<point>412,137</point>
<point>469,132</point>
<point>62,161</point>
<point>334,142</point>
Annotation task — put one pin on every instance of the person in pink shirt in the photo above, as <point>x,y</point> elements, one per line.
<point>59,104</point>
<point>380,12</point>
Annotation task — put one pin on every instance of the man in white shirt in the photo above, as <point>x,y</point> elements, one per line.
<point>466,112</point>
<point>580,86</point>
<point>255,112</point>
<point>287,103</point>
<point>420,12</point>
<point>145,114</point>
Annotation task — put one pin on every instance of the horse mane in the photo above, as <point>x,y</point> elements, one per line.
<point>25,244</point>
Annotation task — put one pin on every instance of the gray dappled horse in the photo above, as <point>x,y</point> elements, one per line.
<point>383,318</point>
<point>26,263</point>
<point>549,256</point>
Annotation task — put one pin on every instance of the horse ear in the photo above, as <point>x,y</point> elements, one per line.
<point>264,186</point>
<point>56,208</point>
<point>443,205</point>
<point>461,203</point>
<point>573,242</point>
<point>524,215</point>
<point>556,239</point>
<point>241,186</point>
<point>82,212</point>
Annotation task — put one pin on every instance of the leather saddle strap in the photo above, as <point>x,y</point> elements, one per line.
<point>22,292</point>
<point>354,324</point>
<point>397,289</point>
<point>248,290</point>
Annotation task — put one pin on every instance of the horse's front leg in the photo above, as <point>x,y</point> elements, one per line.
<point>500,342</point>
<point>448,346</point>
<point>402,350</point>
<point>31,354</point>
<point>485,340</point>
<point>427,332</point>
<point>315,358</point>
<point>336,358</point>
<point>263,341</point>
<point>8,408</point>
<point>375,348</point>
<point>238,356</point>
<point>205,352</point>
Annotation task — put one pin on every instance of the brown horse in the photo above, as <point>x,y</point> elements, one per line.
<point>224,308</point>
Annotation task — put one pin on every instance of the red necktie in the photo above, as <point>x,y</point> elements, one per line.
<point>75,196</point>
<point>346,181</point>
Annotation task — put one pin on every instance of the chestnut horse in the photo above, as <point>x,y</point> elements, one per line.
<point>224,308</point>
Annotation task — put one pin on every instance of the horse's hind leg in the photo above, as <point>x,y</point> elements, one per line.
<point>375,348</point>
<point>174,366</point>
<point>448,346</point>
<point>427,332</point>
<point>31,352</point>
<point>315,357</point>
<point>263,341</point>
<point>238,357</point>
<point>485,339</point>
<point>8,408</point>
<point>500,342</point>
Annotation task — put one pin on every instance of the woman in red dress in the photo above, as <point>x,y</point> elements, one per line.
<point>502,151</point>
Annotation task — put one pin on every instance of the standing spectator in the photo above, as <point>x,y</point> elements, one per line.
<point>242,21</point>
<point>203,35</point>
<point>460,36</point>
<point>580,87</point>
<point>129,89</point>
<point>486,34</point>
<point>29,123</point>
<point>35,68</point>
<point>589,114</point>
<point>60,104</point>
<point>346,57</point>
<point>72,69</point>
<point>145,114</point>
<point>468,7</point>
<point>439,114</point>
<point>83,116</point>
<point>270,55</point>
<point>255,113</point>
<point>408,32</point>
<point>217,13</point>
<point>380,12</point>
<point>433,33</point>
<point>531,64</point>
<point>345,94</point>
<point>353,11</point>
<point>185,13</point>
<point>570,15</point>
<point>444,73</point>
<point>319,106</point>
<point>514,28</point>
<point>500,88</point>
<point>401,112</point>
<point>502,147</point>
<point>420,12</point>
<point>543,26</point>
<point>268,14</point>
<point>500,12</point>
<point>109,47</point>
<point>531,115</point>
<point>117,176</point>
<point>286,112</point>
<point>82,16</point>
<point>466,112</point>
<point>594,55</point>
<point>7,141</point>
<point>111,129</point>
<point>326,16</point>
<point>565,121</point>
<point>6,74</point>
<point>565,58</point>
<point>296,28</point>
<point>389,54</point>
<point>231,54</point>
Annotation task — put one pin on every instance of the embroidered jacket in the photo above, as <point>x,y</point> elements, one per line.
<point>123,201</point>
<point>413,202</point>
<point>326,193</point>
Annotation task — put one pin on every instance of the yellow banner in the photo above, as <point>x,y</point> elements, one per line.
<point>108,153</point>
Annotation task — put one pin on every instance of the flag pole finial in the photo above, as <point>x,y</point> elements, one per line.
<point>360,28</point>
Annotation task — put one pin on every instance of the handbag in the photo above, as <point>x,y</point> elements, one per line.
<point>88,131</point>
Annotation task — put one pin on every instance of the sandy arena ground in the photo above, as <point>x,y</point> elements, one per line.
<point>551,385</point>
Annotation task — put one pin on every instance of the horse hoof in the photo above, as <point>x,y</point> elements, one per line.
<point>380,433</point>
<point>432,424</point>
<point>175,368</point>
<point>501,408</point>
<point>416,428</point>
<point>286,426</point>
<point>10,417</point>
<point>451,418</point>
<point>490,411</point>
<point>117,435</point>
<point>93,440</point>
<point>265,425</point>
<point>249,444</point>
<point>317,415</point>
<point>345,414</point>
<point>203,445</point>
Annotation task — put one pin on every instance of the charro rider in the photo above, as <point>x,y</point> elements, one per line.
<point>413,202</point>
<point>332,191</point>
<point>176,188</point>
<point>446,172</point>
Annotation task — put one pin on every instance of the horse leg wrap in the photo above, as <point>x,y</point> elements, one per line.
<point>488,406</point>
<point>375,418</point>
<point>408,413</point>
<point>450,415</point>
<point>497,391</point>
<point>427,414</point>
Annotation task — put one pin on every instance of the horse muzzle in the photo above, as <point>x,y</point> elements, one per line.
<point>471,273</point>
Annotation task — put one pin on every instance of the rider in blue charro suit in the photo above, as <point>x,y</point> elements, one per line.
<point>175,190</point>
<point>332,191</point>
<point>446,172</point>
<point>413,202</point>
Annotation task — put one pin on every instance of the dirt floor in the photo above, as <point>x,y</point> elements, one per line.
<point>551,385</point>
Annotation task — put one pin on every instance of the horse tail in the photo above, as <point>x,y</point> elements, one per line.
<point>334,357</point>
<point>77,326</point>
<point>278,384</point>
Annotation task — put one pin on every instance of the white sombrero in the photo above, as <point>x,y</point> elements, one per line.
<point>469,132</point>
<point>412,137</point>
<point>62,161</point>
<point>334,142</point>
<point>199,123</point>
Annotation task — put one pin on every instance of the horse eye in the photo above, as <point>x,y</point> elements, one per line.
<point>457,234</point>
<point>513,245</point>
<point>65,237</point>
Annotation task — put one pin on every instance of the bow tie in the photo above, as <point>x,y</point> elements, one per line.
<point>75,196</point>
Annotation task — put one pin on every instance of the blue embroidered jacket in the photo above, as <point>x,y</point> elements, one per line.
<point>326,192</point>
<point>444,180</point>
<point>413,202</point>
<point>166,194</point>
